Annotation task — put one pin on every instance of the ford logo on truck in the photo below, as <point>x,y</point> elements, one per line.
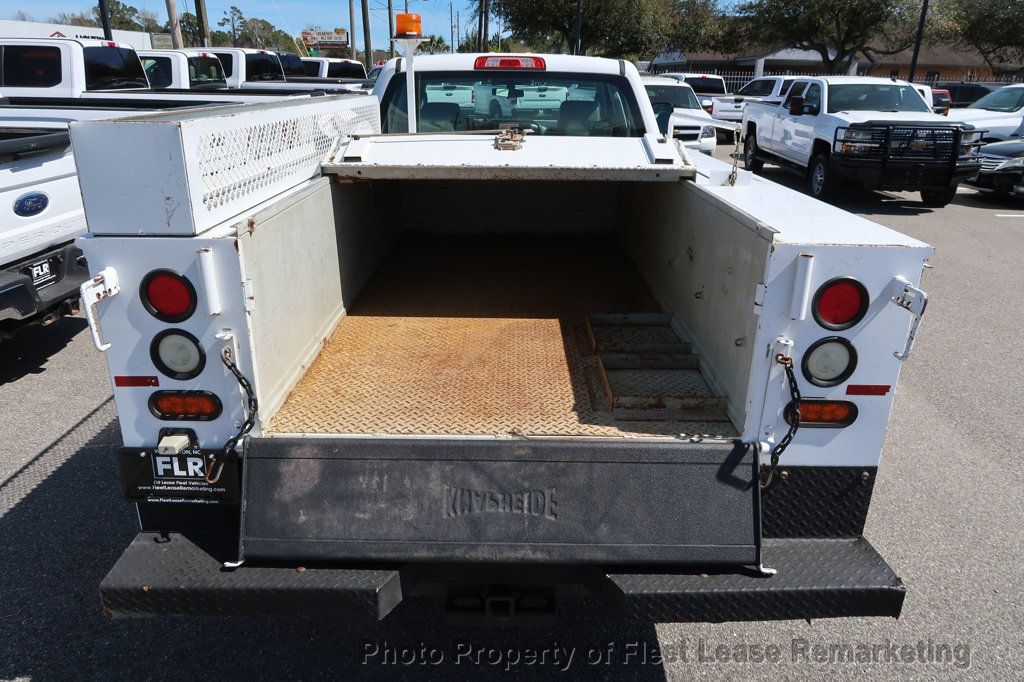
<point>28,205</point>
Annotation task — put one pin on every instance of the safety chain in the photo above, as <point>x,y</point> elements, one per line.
<point>734,173</point>
<point>220,456</point>
<point>794,421</point>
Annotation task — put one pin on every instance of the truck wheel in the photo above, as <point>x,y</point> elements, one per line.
<point>750,160</point>
<point>819,177</point>
<point>938,198</point>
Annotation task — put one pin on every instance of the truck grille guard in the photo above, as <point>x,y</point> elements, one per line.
<point>912,142</point>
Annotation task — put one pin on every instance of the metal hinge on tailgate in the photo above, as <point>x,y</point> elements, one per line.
<point>914,301</point>
<point>104,285</point>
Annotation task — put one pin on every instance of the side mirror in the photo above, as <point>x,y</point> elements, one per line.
<point>796,106</point>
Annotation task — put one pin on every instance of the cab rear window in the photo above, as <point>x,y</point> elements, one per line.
<point>113,68</point>
<point>227,62</point>
<point>263,67</point>
<point>158,70</point>
<point>30,66</point>
<point>292,64</point>
<point>706,86</point>
<point>205,70</point>
<point>345,70</point>
<point>555,104</point>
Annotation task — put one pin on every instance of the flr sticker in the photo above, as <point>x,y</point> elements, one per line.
<point>180,478</point>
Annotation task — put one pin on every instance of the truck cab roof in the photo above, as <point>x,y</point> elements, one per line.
<point>553,62</point>
<point>661,80</point>
<point>84,42</point>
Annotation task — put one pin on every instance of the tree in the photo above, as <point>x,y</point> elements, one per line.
<point>234,22</point>
<point>22,15</point>
<point>191,32</point>
<point>73,19</point>
<point>702,25</point>
<point>220,39</point>
<point>621,28</point>
<point>122,16</point>
<point>993,28</point>
<point>433,45</point>
<point>149,23</point>
<point>836,29</point>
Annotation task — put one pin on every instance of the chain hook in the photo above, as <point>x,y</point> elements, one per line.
<point>215,467</point>
<point>767,474</point>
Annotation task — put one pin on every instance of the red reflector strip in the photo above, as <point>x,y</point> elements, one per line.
<point>868,389</point>
<point>509,63</point>
<point>126,381</point>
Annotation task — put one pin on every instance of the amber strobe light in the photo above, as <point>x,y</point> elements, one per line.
<point>824,413</point>
<point>184,405</point>
<point>840,303</point>
<point>168,296</point>
<point>408,26</point>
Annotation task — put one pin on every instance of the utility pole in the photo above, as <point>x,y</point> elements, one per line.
<point>917,41</point>
<point>458,29</point>
<point>391,29</point>
<point>105,20</point>
<point>451,27</point>
<point>487,26</point>
<point>578,43</point>
<point>480,26</point>
<point>202,18</point>
<point>175,25</point>
<point>367,42</point>
<point>352,27</point>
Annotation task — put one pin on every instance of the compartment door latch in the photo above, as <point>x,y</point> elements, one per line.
<point>913,300</point>
<point>104,285</point>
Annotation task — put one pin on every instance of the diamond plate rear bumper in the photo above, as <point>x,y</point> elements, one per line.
<point>816,579</point>
<point>165,575</point>
<point>174,574</point>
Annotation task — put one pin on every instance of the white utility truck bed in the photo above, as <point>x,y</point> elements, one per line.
<point>510,363</point>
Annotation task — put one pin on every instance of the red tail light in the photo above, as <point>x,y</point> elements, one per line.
<point>535,63</point>
<point>184,405</point>
<point>168,296</point>
<point>840,303</point>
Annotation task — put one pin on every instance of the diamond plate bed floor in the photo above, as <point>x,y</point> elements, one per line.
<point>492,336</point>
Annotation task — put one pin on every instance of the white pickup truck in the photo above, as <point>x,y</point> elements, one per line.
<point>180,70</point>
<point>561,357</point>
<point>252,69</point>
<point>766,89</point>
<point>333,67</point>
<point>876,132</point>
<point>40,215</point>
<point>81,73</point>
<point>676,107</point>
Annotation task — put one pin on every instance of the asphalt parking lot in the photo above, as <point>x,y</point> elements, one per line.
<point>948,514</point>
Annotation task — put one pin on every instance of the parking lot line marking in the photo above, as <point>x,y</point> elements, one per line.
<point>1010,215</point>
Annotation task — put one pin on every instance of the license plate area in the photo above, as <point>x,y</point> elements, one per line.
<point>149,476</point>
<point>537,500</point>
<point>43,272</point>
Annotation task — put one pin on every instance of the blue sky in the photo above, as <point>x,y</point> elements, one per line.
<point>289,15</point>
